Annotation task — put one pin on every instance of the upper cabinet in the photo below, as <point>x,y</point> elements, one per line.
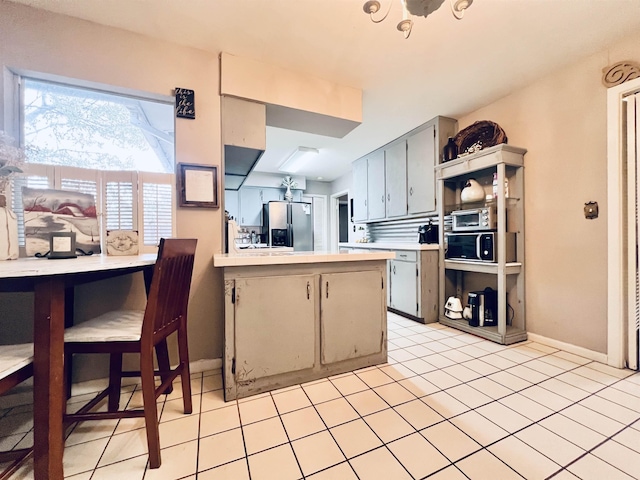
<point>375,186</point>
<point>245,205</point>
<point>397,180</point>
<point>360,168</point>
<point>422,157</point>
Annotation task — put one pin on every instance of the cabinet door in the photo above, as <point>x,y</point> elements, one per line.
<point>250,206</point>
<point>421,160</point>
<point>404,286</point>
<point>375,186</point>
<point>359,172</point>
<point>281,339</point>
<point>231,203</point>
<point>351,315</point>
<point>395,165</point>
<point>271,195</point>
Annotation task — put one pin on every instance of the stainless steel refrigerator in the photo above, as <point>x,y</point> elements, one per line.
<point>288,224</point>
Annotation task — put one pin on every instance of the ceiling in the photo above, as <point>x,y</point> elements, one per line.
<point>446,67</point>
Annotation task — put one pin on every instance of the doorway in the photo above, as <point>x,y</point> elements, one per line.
<point>623,120</point>
<point>340,219</point>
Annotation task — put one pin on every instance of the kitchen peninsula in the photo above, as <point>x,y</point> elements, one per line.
<point>294,317</point>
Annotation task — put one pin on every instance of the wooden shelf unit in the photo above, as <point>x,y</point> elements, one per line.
<point>459,277</point>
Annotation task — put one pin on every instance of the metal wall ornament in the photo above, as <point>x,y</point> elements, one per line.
<point>620,72</point>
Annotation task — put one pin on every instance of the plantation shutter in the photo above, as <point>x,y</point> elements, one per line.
<point>119,206</point>
<point>31,181</point>
<point>157,200</point>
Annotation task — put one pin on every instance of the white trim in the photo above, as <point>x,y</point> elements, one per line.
<point>617,312</point>
<point>567,347</point>
<point>23,395</point>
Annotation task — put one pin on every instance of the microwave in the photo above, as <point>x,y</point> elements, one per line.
<point>478,246</point>
<point>475,219</point>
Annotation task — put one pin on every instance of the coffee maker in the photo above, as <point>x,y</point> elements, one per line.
<point>484,308</point>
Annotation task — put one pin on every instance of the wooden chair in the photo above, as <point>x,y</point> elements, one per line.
<point>143,332</point>
<point>16,365</point>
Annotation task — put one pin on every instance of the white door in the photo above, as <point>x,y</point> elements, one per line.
<point>633,282</point>
<point>359,188</point>
<point>319,209</point>
<point>421,159</point>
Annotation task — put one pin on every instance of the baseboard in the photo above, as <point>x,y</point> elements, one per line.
<point>568,347</point>
<point>23,393</point>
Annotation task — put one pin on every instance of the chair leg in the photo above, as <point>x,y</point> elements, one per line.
<point>162,352</point>
<point>115,381</point>
<point>183,352</point>
<point>150,407</point>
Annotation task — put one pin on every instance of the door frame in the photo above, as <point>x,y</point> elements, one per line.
<point>334,229</point>
<point>618,298</point>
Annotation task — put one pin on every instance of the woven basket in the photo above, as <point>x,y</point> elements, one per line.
<point>483,133</point>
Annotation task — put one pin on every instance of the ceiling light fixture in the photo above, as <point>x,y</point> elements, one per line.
<point>419,8</point>
<point>297,159</point>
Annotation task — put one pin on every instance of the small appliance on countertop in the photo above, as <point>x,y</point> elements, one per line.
<point>484,308</point>
<point>428,233</point>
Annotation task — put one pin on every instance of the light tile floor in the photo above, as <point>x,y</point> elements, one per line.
<point>448,405</point>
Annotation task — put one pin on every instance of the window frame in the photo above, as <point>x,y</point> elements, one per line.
<point>14,126</point>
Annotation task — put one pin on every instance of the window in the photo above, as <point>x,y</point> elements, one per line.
<point>117,147</point>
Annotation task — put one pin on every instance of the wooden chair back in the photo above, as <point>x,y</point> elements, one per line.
<point>169,291</point>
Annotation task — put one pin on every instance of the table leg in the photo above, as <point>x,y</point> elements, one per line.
<point>48,398</point>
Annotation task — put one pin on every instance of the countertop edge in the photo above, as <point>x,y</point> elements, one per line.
<point>291,258</point>
<point>390,246</point>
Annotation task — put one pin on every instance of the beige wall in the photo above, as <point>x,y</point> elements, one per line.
<point>561,121</point>
<point>43,42</point>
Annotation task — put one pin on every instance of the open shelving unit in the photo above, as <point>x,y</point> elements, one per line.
<point>459,277</point>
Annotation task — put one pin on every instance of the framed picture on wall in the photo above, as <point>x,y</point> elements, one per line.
<point>197,185</point>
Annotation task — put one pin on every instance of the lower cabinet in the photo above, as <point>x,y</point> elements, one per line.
<point>403,285</point>
<point>284,326</point>
<point>413,284</point>
<point>351,320</point>
<point>288,343</point>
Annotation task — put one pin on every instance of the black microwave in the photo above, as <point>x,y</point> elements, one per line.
<point>478,246</point>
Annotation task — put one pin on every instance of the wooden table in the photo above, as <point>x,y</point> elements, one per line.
<point>52,281</point>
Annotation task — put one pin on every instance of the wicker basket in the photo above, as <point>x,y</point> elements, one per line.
<point>482,134</point>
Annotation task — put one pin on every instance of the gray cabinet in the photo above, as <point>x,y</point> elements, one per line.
<point>288,344</point>
<point>421,158</point>
<point>250,206</point>
<point>251,200</point>
<point>369,188</point>
<point>376,186</point>
<point>350,317</point>
<point>396,179</point>
<point>289,324</point>
<point>359,182</point>
<point>232,203</point>
<point>403,284</point>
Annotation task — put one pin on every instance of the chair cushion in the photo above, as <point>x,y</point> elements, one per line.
<point>115,326</point>
<point>14,357</point>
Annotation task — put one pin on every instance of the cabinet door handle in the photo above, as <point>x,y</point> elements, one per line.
<point>327,289</point>
<point>394,269</point>
<point>389,196</point>
<point>308,290</point>
<point>365,203</point>
<point>382,198</point>
<point>411,191</point>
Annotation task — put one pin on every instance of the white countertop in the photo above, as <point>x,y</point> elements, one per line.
<point>391,245</point>
<point>37,267</point>
<point>269,257</point>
